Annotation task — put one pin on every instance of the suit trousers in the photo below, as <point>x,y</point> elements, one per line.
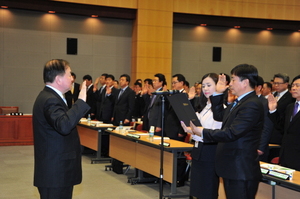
<point>237,189</point>
<point>56,192</point>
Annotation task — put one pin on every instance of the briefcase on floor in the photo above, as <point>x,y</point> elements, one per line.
<point>117,166</point>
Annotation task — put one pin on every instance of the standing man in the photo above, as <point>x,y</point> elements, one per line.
<point>72,94</point>
<point>154,108</point>
<point>90,98</point>
<point>99,93</point>
<point>57,150</point>
<point>290,148</point>
<point>124,103</point>
<point>238,140</point>
<point>173,128</point>
<point>284,98</point>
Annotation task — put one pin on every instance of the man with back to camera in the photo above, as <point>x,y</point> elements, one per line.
<point>57,149</point>
<point>238,140</point>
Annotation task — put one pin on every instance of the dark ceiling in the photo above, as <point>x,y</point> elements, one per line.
<point>124,13</point>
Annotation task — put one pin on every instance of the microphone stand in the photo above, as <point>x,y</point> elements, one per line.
<point>162,147</point>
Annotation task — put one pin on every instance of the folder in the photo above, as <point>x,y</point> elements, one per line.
<point>183,108</point>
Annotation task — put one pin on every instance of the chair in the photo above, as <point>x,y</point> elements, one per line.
<point>8,109</point>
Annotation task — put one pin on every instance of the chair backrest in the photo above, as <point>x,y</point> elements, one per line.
<point>188,138</point>
<point>8,109</point>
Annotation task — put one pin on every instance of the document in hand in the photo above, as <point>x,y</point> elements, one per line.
<point>184,109</point>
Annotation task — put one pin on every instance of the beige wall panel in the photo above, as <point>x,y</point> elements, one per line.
<point>151,49</point>
<point>289,12</point>
<point>166,5</point>
<point>113,3</point>
<point>154,34</point>
<point>155,18</point>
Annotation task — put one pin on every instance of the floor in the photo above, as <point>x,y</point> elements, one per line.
<point>16,179</point>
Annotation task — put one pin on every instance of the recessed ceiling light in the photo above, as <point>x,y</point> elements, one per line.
<point>269,28</point>
<point>4,6</point>
<point>94,16</point>
<point>203,24</point>
<point>51,11</point>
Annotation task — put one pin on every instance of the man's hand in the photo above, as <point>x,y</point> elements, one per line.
<point>221,85</point>
<point>82,94</point>
<point>157,129</point>
<point>272,102</point>
<point>192,93</point>
<point>126,121</point>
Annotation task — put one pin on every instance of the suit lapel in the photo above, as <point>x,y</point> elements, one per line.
<point>234,109</point>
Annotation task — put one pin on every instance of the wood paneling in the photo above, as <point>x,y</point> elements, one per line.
<point>16,130</point>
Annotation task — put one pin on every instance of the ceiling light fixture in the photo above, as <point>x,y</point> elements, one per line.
<point>269,28</point>
<point>203,24</point>
<point>4,7</point>
<point>51,11</point>
<point>94,16</point>
<point>237,26</point>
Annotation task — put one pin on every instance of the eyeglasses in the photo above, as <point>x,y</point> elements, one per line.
<point>278,83</point>
<point>296,84</point>
<point>175,82</point>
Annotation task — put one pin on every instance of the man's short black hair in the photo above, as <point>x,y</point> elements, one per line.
<point>88,77</point>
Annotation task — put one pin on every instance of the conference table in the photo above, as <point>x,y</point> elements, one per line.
<point>144,155</point>
<point>283,188</point>
<point>91,137</point>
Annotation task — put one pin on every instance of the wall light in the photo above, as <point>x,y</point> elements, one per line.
<point>94,16</point>
<point>269,28</point>
<point>237,26</point>
<point>203,24</point>
<point>51,11</point>
<point>4,7</point>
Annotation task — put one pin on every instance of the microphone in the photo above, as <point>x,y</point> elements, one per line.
<point>168,92</point>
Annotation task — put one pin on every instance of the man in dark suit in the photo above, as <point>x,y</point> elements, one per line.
<point>290,148</point>
<point>284,98</point>
<point>90,98</point>
<point>72,94</point>
<point>238,140</point>
<point>124,103</point>
<point>263,150</point>
<point>173,127</point>
<point>154,108</point>
<point>108,100</point>
<point>99,93</point>
<point>57,149</point>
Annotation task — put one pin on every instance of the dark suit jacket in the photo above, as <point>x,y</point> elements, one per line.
<point>154,112</point>
<point>124,106</point>
<point>99,96</point>
<point>107,105</point>
<point>290,148</point>
<point>172,123</point>
<point>72,98</point>
<point>267,130</point>
<point>91,101</point>
<point>57,149</point>
<point>238,140</point>
<point>277,133</point>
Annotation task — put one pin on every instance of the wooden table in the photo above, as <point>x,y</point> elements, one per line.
<point>145,155</point>
<point>284,188</point>
<point>16,130</point>
<point>91,137</point>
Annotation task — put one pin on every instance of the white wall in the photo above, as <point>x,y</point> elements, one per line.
<point>29,39</point>
<point>270,51</point>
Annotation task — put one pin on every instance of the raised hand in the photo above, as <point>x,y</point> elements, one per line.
<point>192,92</point>
<point>221,85</point>
<point>272,102</point>
<point>82,94</point>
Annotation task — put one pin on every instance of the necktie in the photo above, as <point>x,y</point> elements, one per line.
<point>234,104</point>
<point>121,92</point>
<point>295,109</point>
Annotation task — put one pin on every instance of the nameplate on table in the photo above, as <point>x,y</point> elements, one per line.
<point>133,136</point>
<point>166,144</point>
<point>279,175</point>
<point>264,171</point>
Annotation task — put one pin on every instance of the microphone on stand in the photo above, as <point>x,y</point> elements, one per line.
<point>168,92</point>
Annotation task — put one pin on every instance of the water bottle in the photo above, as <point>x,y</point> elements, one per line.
<point>89,119</point>
<point>151,133</point>
<point>121,127</point>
